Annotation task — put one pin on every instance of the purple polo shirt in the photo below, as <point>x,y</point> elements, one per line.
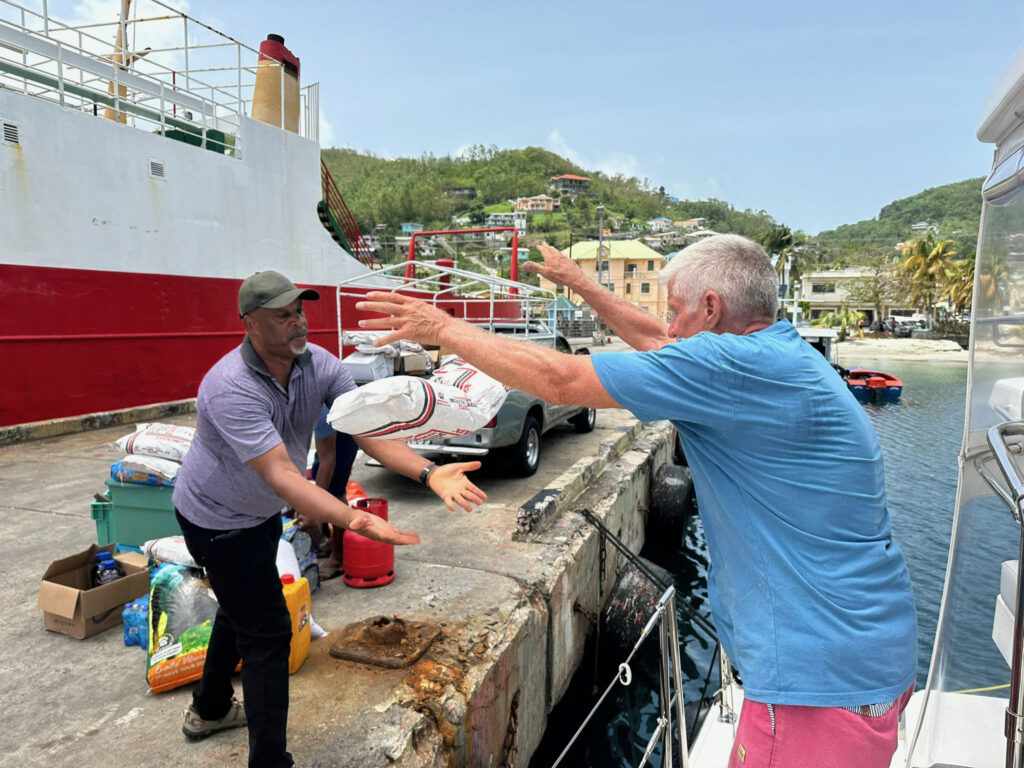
<point>243,413</point>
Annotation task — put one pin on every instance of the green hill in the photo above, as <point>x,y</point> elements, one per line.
<point>391,191</point>
<point>954,209</point>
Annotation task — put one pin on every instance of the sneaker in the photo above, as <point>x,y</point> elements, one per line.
<point>196,728</point>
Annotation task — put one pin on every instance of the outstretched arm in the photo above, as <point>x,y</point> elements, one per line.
<point>640,329</point>
<point>312,502</point>
<point>448,481</point>
<point>540,371</point>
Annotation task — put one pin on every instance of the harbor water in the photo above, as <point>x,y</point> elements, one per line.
<point>920,437</point>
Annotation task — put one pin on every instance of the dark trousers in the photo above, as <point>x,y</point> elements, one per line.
<point>252,624</point>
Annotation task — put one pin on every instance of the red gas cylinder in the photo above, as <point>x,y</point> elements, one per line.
<point>368,563</point>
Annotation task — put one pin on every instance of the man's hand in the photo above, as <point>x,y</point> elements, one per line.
<point>411,318</point>
<point>450,483</point>
<point>557,267</point>
<point>372,527</point>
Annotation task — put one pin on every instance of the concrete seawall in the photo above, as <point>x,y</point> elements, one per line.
<point>510,586</point>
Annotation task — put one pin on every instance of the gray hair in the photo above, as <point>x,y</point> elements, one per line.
<point>735,268</point>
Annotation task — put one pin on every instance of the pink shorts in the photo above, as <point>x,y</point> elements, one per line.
<point>822,737</point>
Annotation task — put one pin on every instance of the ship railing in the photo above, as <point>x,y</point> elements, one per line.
<point>173,75</point>
<point>481,299</point>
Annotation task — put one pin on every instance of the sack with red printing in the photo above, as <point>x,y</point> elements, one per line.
<point>165,441</point>
<point>456,400</point>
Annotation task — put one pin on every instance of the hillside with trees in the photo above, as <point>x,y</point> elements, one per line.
<point>954,211</point>
<point>391,191</point>
<point>395,190</point>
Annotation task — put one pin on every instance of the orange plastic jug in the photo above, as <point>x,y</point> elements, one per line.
<point>296,594</point>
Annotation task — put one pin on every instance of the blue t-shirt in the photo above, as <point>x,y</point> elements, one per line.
<point>809,591</point>
<point>243,413</point>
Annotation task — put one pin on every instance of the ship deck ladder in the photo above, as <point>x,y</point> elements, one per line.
<point>338,220</point>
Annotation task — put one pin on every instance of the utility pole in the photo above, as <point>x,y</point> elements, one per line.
<point>602,261</point>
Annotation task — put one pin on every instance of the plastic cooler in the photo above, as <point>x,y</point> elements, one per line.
<point>136,513</point>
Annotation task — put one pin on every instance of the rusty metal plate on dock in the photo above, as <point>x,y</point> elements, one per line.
<point>385,641</point>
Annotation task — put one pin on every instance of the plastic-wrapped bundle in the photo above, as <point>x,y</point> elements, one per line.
<point>145,470</point>
<point>136,622</point>
<point>181,613</point>
<point>456,400</point>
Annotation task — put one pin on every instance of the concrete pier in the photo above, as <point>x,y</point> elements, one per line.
<point>510,585</point>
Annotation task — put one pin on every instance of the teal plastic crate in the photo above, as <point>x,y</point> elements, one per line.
<point>136,513</point>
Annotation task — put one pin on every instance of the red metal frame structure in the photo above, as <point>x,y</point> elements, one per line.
<point>410,269</point>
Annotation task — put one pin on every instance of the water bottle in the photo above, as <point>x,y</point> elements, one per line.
<point>108,571</point>
<point>98,568</point>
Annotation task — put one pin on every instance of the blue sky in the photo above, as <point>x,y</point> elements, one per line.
<point>818,113</point>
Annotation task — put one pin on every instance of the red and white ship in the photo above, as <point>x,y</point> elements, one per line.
<point>147,166</point>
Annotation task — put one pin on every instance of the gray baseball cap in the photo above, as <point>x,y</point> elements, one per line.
<point>271,290</point>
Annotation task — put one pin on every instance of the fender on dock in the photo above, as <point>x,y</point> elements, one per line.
<point>671,506</point>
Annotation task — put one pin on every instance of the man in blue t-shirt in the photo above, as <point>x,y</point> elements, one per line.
<point>809,591</point>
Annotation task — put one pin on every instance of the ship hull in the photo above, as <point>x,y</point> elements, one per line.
<point>81,341</point>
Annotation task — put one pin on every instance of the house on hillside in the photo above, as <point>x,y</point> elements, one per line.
<point>626,267</point>
<point>409,228</point>
<point>665,239</point>
<point>691,224</point>
<point>461,193</point>
<point>923,226</point>
<point>659,224</point>
<point>536,204</point>
<point>515,219</point>
<point>568,184</point>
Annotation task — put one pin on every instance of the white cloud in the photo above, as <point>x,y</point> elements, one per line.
<point>327,137</point>
<point>615,163</point>
<point>558,145</point>
<point>619,163</point>
<point>697,190</point>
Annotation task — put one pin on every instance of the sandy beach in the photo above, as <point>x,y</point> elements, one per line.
<point>933,350</point>
<point>852,351</point>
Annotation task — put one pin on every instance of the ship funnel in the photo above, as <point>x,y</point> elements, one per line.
<point>277,62</point>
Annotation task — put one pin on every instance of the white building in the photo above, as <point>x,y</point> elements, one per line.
<point>515,219</point>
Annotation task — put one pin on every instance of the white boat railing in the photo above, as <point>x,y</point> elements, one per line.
<point>172,73</point>
<point>670,687</point>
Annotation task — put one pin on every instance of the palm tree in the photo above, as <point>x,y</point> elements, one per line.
<point>959,288</point>
<point>929,265</point>
<point>992,280</point>
<point>844,318</point>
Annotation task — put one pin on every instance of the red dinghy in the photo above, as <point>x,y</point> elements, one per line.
<point>874,386</point>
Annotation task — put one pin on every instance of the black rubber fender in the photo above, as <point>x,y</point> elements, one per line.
<point>671,506</point>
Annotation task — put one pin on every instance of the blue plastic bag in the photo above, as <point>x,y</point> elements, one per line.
<point>136,622</point>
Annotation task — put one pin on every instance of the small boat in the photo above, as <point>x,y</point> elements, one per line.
<point>866,385</point>
<point>873,386</point>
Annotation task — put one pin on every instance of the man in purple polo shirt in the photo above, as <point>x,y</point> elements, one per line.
<point>257,408</point>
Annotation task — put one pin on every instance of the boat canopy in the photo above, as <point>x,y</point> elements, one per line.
<point>963,711</point>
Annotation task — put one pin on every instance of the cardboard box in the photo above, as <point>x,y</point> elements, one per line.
<point>73,606</point>
<point>366,368</point>
<point>413,363</point>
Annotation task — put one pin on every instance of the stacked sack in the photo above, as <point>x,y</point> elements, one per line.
<point>154,453</point>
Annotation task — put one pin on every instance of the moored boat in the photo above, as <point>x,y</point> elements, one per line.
<point>873,386</point>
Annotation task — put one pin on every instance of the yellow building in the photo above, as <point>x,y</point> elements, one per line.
<point>628,267</point>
